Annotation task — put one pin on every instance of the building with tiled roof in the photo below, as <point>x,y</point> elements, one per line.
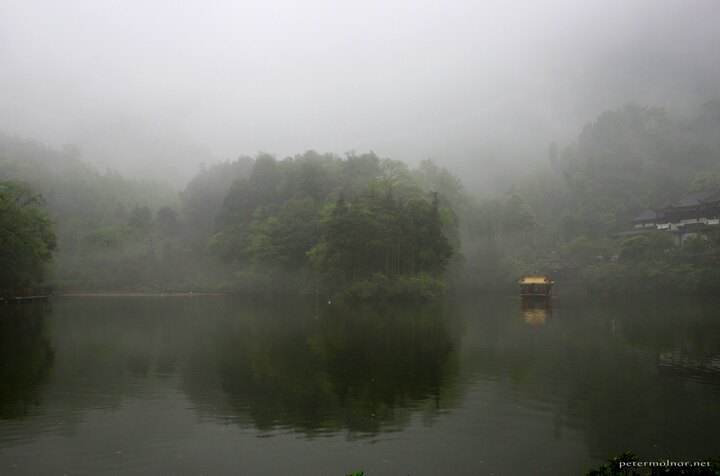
<point>692,215</point>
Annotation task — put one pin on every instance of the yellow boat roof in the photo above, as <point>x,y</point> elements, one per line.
<point>534,280</point>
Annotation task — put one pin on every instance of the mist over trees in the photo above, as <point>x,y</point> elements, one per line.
<point>362,226</point>
<point>628,160</point>
<point>255,225</point>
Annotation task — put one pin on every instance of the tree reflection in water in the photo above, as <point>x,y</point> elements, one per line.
<point>26,356</point>
<point>638,375</point>
<point>364,370</point>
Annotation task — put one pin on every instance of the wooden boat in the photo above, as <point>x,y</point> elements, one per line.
<point>535,286</point>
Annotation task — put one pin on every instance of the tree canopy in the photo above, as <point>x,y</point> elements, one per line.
<point>343,225</point>
<point>26,237</point>
<point>363,225</point>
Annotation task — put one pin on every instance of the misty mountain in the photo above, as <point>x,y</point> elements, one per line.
<point>482,88</point>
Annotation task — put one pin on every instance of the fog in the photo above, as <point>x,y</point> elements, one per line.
<point>157,88</point>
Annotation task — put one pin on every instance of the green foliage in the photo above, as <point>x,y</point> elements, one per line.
<point>203,198</point>
<point>646,247</point>
<point>283,238</point>
<point>439,180</point>
<point>26,237</point>
<point>167,222</point>
<point>318,220</point>
<point>614,467</point>
<point>651,263</point>
<point>92,214</point>
<point>107,238</point>
<point>140,218</point>
<point>705,181</point>
<point>516,214</point>
<point>618,166</point>
<point>673,275</point>
<point>583,251</point>
<point>290,218</point>
<point>626,161</point>
<point>379,246</point>
<point>379,286</point>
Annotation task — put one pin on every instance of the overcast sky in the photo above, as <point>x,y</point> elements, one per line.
<point>177,83</point>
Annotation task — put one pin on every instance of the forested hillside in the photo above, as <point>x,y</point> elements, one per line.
<point>313,223</point>
<point>579,199</point>
<point>366,227</point>
<point>91,212</point>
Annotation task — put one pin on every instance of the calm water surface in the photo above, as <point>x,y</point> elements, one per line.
<point>214,386</point>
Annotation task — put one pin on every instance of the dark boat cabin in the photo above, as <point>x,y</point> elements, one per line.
<point>535,286</point>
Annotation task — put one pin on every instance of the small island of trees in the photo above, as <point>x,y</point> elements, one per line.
<point>357,226</point>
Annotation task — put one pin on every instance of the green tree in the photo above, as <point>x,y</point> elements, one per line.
<point>357,219</point>
<point>140,218</point>
<point>622,163</point>
<point>655,246</point>
<point>439,180</point>
<point>377,243</point>
<point>26,237</point>
<point>167,222</point>
<point>284,238</point>
<point>517,214</point>
<point>583,251</point>
<point>705,181</point>
<point>203,197</point>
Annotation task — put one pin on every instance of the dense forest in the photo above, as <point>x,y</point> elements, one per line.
<point>363,226</point>
<point>356,225</point>
<point>627,161</point>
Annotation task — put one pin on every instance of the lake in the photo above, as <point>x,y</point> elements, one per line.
<point>217,385</point>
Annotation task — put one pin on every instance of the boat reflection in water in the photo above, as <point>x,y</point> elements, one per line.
<point>536,311</point>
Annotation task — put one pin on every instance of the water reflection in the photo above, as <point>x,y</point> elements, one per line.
<point>466,379</point>
<point>639,375</point>
<point>283,366</point>
<point>26,356</point>
<point>362,370</point>
<point>536,311</point>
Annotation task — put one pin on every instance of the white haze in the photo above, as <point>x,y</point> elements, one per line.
<point>158,87</point>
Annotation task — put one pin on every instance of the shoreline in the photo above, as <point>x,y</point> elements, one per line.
<point>139,294</point>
